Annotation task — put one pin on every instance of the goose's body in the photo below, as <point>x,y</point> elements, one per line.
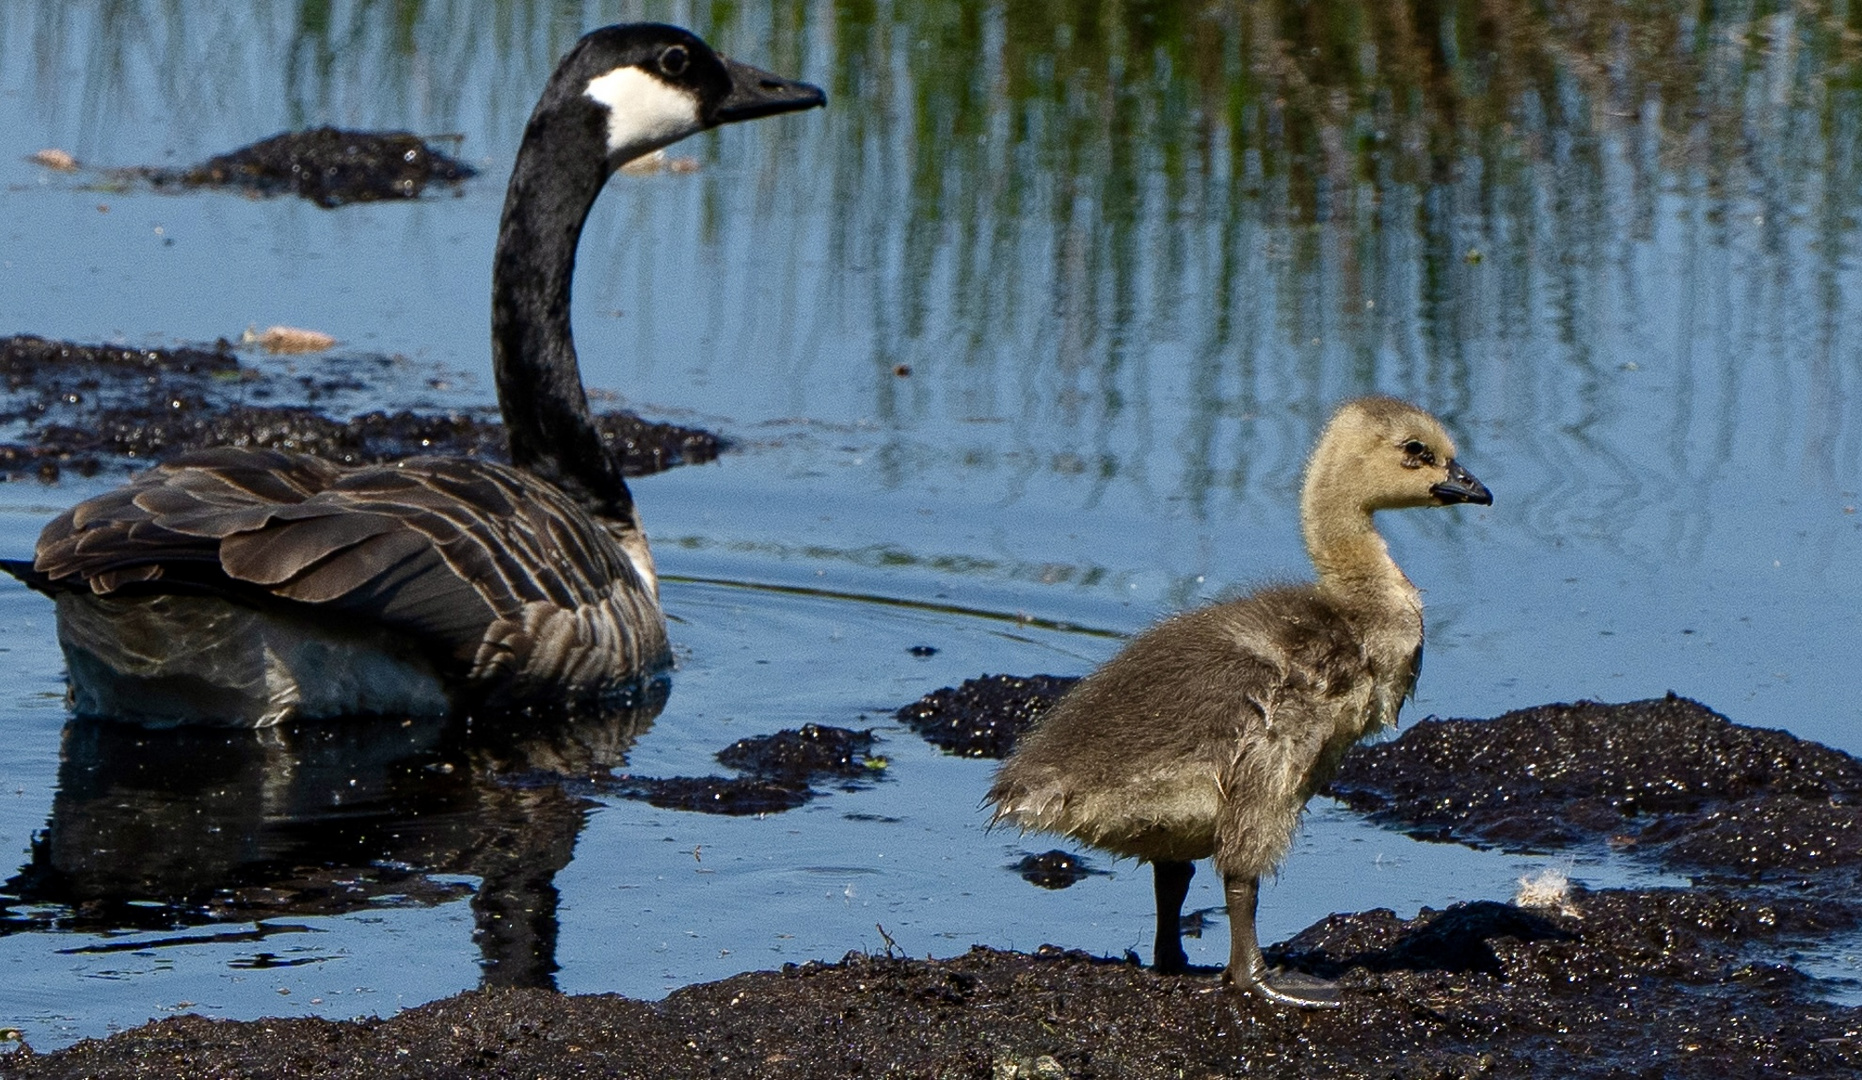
<point>1208,733</point>
<point>242,586</point>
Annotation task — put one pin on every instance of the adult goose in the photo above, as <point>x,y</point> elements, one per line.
<point>247,587</point>
<point>1206,735</point>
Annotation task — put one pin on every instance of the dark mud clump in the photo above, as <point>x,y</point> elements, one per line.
<point>983,717</point>
<point>1054,869</point>
<point>804,755</point>
<point>26,359</point>
<point>328,166</point>
<point>83,406</point>
<point>46,379</point>
<point>1668,778</point>
<point>647,446</point>
<point>780,771</point>
<point>1643,984</point>
<point>738,796</point>
<point>152,435</point>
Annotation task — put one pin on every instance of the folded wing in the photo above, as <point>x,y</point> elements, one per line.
<point>470,558</point>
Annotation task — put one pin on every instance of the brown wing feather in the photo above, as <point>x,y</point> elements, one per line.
<point>283,547</point>
<point>438,547</point>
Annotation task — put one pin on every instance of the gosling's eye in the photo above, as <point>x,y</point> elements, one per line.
<point>1417,454</point>
<point>674,60</point>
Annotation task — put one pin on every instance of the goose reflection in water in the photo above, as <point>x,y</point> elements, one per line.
<point>157,830</point>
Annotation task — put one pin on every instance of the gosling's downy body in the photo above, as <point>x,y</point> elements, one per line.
<point>1209,732</point>
<point>247,587</point>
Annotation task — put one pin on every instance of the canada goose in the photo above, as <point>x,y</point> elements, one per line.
<point>1206,735</point>
<point>246,587</point>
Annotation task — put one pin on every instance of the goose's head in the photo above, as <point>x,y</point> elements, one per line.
<point>1378,453</point>
<point>648,85</point>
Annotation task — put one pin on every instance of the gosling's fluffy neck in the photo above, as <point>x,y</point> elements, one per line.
<point>1350,556</point>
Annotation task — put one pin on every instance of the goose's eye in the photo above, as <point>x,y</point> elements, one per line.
<point>674,60</point>
<point>1417,454</point>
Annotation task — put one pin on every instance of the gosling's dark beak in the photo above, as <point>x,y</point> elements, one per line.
<point>1461,487</point>
<point>756,93</point>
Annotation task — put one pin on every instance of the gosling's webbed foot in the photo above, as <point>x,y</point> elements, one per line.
<point>1287,987</point>
<point>1297,989</point>
<point>1278,985</point>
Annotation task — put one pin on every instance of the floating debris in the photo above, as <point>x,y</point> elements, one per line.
<point>1547,890</point>
<point>53,158</point>
<point>329,166</point>
<point>288,339</point>
<point>983,717</point>
<point>660,162</point>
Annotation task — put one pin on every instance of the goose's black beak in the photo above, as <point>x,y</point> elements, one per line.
<point>1461,487</point>
<point>756,93</point>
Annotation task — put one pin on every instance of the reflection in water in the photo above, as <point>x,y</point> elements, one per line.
<point>1144,245</point>
<point>159,829</point>
<point>1169,226</point>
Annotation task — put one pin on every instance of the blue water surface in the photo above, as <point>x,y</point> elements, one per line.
<point>1030,330</point>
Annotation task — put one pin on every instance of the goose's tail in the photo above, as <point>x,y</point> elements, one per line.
<point>23,570</point>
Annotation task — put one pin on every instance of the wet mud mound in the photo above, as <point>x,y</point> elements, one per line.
<point>736,796</point>
<point>1643,984</point>
<point>649,446</point>
<point>329,166</point>
<point>26,359</point>
<point>780,772</point>
<point>81,407</point>
<point>803,755</point>
<point>152,435</point>
<point>983,717</point>
<point>1669,779</point>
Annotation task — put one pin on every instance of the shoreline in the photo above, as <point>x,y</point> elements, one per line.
<point>1620,982</point>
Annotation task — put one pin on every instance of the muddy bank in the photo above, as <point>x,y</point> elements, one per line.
<point>1616,983</point>
<point>1634,984</point>
<point>84,407</point>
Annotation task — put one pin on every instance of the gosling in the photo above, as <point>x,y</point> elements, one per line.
<point>1208,733</point>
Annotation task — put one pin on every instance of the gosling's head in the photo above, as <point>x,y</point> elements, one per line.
<point>1383,454</point>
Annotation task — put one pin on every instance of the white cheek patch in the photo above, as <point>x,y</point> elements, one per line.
<point>644,113</point>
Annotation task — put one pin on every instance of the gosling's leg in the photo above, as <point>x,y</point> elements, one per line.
<point>1247,968</point>
<point>1245,963</point>
<point>1171,880</point>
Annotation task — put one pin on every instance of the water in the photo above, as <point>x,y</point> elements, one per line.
<point>1130,262</point>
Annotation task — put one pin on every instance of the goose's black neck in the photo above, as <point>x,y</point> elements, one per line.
<point>560,171</point>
